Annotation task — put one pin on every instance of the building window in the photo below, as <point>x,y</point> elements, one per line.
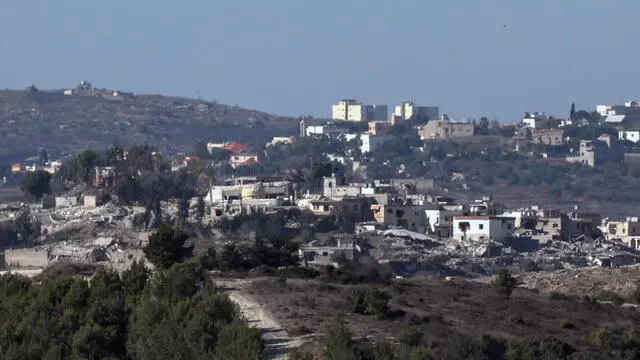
<point>555,225</point>
<point>481,226</point>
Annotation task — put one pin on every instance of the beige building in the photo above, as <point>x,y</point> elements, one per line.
<point>410,217</point>
<point>379,127</point>
<point>628,232</point>
<point>352,110</point>
<point>445,129</point>
<point>553,137</point>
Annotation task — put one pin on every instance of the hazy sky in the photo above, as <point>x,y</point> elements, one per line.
<point>295,57</point>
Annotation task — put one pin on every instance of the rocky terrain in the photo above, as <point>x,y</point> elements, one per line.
<point>67,124</point>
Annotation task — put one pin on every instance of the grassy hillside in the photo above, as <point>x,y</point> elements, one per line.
<point>66,124</point>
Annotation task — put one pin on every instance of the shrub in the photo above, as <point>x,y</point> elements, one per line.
<point>504,283</point>
<point>610,296</point>
<point>601,339</point>
<point>298,272</point>
<point>566,324</point>
<point>558,296</point>
<point>369,301</point>
<point>590,303</point>
<point>634,297</point>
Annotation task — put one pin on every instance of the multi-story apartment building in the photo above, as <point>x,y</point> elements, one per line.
<point>409,110</point>
<point>352,110</point>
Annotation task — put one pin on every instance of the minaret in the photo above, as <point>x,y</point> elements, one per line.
<point>303,128</point>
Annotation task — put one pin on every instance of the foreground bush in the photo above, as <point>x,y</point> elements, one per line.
<point>175,314</point>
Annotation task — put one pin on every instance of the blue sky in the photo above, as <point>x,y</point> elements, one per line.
<point>296,57</point>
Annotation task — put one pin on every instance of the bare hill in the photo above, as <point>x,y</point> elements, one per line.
<point>66,124</point>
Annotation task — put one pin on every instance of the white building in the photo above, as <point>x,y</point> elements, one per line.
<point>605,110</point>
<point>409,109</point>
<point>523,218</point>
<point>535,120</point>
<point>352,110</point>
<point>440,222</point>
<point>323,130</point>
<point>481,228</point>
<point>630,135</point>
<point>370,142</point>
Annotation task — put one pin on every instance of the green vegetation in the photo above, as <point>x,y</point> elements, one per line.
<point>504,283</point>
<point>175,314</point>
<point>166,247</point>
<point>36,183</point>
<point>602,344</point>
<point>369,301</point>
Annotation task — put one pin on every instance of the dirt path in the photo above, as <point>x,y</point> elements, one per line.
<point>277,341</point>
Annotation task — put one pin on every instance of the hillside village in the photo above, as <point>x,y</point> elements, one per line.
<point>422,223</point>
<point>391,210</point>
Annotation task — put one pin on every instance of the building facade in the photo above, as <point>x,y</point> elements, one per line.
<point>369,142</point>
<point>629,135</point>
<point>535,120</point>
<point>352,110</point>
<point>552,137</point>
<point>482,228</point>
<point>410,217</point>
<point>408,110</point>
<point>379,127</point>
<point>445,129</point>
<point>440,222</point>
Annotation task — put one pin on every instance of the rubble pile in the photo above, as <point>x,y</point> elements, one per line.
<point>473,258</point>
<point>77,234</point>
<point>584,281</point>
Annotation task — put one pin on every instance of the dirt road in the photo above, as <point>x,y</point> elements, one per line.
<point>277,341</point>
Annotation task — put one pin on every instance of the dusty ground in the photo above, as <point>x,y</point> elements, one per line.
<point>439,308</point>
<point>277,339</point>
<point>586,281</point>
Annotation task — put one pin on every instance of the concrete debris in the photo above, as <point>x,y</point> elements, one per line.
<point>416,254</point>
<point>104,234</point>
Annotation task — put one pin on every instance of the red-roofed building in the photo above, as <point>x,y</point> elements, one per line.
<point>553,137</point>
<point>236,148</point>
<point>243,160</point>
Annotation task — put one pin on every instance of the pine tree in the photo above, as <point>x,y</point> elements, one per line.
<point>200,210</point>
<point>166,247</point>
<point>339,341</point>
<point>572,112</point>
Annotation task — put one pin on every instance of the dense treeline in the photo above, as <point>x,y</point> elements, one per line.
<point>174,314</point>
